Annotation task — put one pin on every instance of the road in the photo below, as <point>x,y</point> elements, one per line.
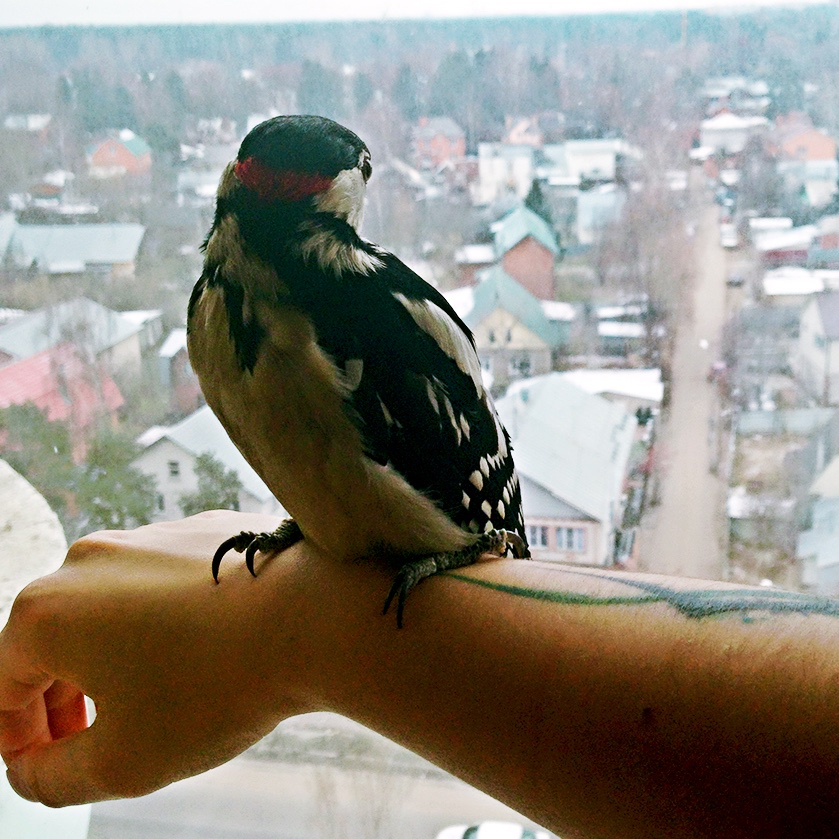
<point>255,799</point>
<point>683,534</point>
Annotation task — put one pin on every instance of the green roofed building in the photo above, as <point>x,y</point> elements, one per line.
<point>527,249</point>
<point>516,334</point>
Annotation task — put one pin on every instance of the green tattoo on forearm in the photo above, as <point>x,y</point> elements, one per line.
<point>695,603</point>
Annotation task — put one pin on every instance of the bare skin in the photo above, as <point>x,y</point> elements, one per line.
<point>601,705</point>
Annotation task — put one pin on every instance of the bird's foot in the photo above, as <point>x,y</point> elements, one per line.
<point>287,534</point>
<point>409,575</point>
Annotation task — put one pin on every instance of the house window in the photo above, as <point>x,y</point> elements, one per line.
<point>174,469</point>
<point>520,365</point>
<point>161,502</point>
<point>537,536</point>
<point>571,539</point>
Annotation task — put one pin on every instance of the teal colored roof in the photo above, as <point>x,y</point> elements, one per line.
<point>137,146</point>
<point>497,289</point>
<point>70,248</point>
<point>517,225</point>
<point>44,328</point>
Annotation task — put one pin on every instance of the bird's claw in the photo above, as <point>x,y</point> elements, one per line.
<point>409,575</point>
<point>238,543</point>
<point>287,533</point>
<point>406,578</point>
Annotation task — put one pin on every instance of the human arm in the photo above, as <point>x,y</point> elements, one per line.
<point>596,708</point>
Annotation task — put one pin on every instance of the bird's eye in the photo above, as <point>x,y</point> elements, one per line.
<point>366,169</point>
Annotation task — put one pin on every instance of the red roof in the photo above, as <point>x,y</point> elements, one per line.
<point>59,383</point>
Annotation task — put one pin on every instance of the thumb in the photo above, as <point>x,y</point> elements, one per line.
<point>58,774</point>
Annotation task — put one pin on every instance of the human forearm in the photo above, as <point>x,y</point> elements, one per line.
<point>626,713</point>
<point>598,704</point>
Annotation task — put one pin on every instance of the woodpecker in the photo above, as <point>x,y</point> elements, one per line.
<point>348,383</point>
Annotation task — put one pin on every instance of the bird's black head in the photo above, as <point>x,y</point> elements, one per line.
<point>294,158</point>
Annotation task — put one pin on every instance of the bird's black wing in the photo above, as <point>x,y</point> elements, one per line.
<point>415,391</point>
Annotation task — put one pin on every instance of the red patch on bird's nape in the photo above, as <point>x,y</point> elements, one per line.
<point>278,184</point>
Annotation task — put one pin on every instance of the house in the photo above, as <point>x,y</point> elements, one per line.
<point>597,208</point>
<point>620,328</point>
<point>67,387</point>
<point>108,251</point>
<point>514,334</point>
<point>176,373</point>
<point>526,248</point>
<point>438,140</point>
<point>619,338</point>
<point>596,161</point>
<point>169,455</point>
<point>503,170</point>
<point>742,94</point>
<point>729,133</point>
<point>816,358</point>
<point>806,158</point>
<point>785,247</point>
<point>791,285</point>
<point>113,338</point>
<point>122,153</point>
<point>572,455</point>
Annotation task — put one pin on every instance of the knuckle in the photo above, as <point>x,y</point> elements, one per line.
<point>29,605</point>
<point>94,544</point>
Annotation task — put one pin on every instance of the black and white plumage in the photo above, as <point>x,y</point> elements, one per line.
<point>348,383</point>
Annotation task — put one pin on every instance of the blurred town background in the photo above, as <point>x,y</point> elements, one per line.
<point>636,214</point>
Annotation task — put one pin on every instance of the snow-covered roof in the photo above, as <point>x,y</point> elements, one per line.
<point>140,317</point>
<point>796,237</point>
<point>45,328</point>
<point>729,121</point>
<point>174,343</point>
<point>792,280</point>
<point>572,443</point>
<point>481,254</point>
<point>640,384</point>
<point>559,310</point>
<point>619,329</point>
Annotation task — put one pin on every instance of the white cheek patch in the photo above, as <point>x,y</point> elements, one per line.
<point>448,335</point>
<point>345,197</point>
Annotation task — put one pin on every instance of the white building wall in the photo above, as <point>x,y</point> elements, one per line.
<point>502,169</point>
<point>810,359</point>
<point>163,459</point>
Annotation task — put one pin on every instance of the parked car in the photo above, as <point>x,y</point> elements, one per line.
<point>735,280</point>
<point>728,236</point>
<point>492,830</point>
